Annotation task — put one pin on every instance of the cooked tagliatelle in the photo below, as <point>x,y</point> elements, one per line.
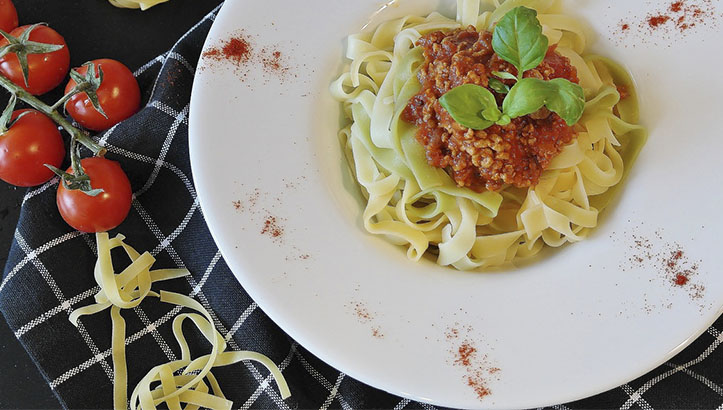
<point>414,204</point>
<point>187,380</point>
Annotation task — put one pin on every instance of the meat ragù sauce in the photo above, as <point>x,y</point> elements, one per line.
<point>514,154</point>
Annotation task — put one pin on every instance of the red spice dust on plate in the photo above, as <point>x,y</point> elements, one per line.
<point>668,260</point>
<point>670,20</point>
<point>366,316</point>
<point>478,370</point>
<point>240,52</point>
<point>261,208</point>
<point>272,228</point>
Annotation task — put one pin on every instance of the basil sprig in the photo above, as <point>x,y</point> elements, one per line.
<point>472,106</point>
<point>517,39</point>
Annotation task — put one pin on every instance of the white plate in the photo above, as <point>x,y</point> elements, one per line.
<point>578,322</point>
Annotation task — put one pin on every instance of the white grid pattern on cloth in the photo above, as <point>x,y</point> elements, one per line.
<point>106,353</point>
<point>61,298</point>
<point>107,134</point>
<point>638,394</point>
<point>40,189</point>
<point>165,243</point>
<point>402,404</point>
<point>321,379</point>
<point>636,397</point>
<point>54,311</point>
<point>333,392</point>
<point>29,255</point>
<point>179,118</point>
<point>241,319</point>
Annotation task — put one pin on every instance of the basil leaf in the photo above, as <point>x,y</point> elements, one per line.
<point>568,100</point>
<point>471,106</point>
<point>560,96</point>
<point>504,120</point>
<point>498,86</point>
<point>526,97</point>
<point>518,39</point>
<point>504,75</point>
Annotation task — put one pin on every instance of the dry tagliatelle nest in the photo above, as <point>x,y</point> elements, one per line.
<point>136,4</point>
<point>187,381</point>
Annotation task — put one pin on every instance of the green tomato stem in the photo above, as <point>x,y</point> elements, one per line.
<point>79,88</point>
<point>51,112</point>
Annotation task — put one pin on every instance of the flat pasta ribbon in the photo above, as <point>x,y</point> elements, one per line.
<point>136,4</point>
<point>188,380</point>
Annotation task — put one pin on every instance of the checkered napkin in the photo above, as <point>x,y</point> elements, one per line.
<point>49,274</point>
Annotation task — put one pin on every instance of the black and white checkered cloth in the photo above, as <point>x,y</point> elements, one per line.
<point>49,274</point>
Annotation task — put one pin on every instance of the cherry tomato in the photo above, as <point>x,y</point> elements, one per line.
<point>102,212</point>
<point>32,141</point>
<point>45,71</point>
<point>8,16</point>
<point>118,95</point>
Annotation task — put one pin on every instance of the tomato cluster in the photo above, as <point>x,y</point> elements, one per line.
<point>31,146</point>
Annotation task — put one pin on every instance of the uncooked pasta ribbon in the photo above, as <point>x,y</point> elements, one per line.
<point>188,381</point>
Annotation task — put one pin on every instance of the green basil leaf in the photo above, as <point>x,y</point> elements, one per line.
<point>498,86</point>
<point>471,106</point>
<point>526,97</point>
<point>504,120</point>
<point>504,75</point>
<point>560,96</point>
<point>568,100</point>
<point>518,39</point>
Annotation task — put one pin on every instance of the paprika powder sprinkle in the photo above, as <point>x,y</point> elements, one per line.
<point>657,21</point>
<point>239,50</point>
<point>672,20</point>
<point>681,280</point>
<point>236,49</point>
<point>477,367</point>
<point>669,259</point>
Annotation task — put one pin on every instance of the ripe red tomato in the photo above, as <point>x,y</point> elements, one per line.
<point>102,212</point>
<point>8,16</point>
<point>45,71</point>
<point>32,141</point>
<point>118,95</point>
